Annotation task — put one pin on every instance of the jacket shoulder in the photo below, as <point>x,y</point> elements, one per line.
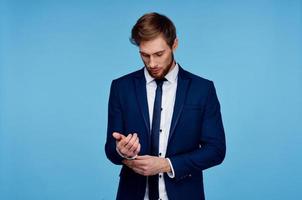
<point>129,77</point>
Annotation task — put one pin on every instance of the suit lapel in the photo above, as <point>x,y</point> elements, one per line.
<point>182,87</point>
<point>141,94</point>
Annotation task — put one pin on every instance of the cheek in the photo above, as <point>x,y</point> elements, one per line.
<point>166,59</point>
<point>145,60</point>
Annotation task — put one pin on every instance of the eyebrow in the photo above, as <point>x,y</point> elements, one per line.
<point>152,53</point>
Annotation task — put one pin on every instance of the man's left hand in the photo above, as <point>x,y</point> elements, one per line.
<point>148,165</point>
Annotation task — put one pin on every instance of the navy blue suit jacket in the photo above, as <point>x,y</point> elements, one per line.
<point>196,140</point>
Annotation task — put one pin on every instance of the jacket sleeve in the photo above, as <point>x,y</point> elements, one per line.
<point>115,124</point>
<point>212,142</point>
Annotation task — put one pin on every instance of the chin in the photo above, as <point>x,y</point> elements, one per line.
<point>158,76</point>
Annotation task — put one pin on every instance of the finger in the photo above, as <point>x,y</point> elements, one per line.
<point>125,140</point>
<point>138,171</point>
<point>141,171</point>
<point>134,146</point>
<point>122,146</point>
<point>143,157</point>
<point>131,164</point>
<point>138,163</point>
<point>131,141</point>
<point>119,143</point>
<point>143,160</point>
<point>126,162</point>
<point>138,149</point>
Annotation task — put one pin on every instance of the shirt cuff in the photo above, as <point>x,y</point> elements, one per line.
<point>172,173</point>
<point>128,158</point>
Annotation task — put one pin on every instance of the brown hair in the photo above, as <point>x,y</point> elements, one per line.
<point>151,25</point>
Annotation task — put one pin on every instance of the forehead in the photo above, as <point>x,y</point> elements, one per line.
<point>153,46</point>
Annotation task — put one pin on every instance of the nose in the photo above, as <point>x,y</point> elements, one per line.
<point>152,62</point>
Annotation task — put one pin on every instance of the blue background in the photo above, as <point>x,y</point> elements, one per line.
<point>57,60</point>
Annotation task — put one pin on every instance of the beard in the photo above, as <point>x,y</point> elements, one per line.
<point>165,71</point>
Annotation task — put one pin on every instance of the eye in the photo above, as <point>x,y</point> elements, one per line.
<point>159,54</point>
<point>145,55</point>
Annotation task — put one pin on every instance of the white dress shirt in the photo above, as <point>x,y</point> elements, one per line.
<point>168,100</point>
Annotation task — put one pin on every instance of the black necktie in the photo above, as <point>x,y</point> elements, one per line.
<point>153,180</point>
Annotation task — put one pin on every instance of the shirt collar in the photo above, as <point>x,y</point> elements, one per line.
<point>171,76</point>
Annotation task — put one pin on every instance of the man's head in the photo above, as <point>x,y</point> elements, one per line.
<point>155,35</point>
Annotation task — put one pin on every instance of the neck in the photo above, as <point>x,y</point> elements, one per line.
<point>172,64</point>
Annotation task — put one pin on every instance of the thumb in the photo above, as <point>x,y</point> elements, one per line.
<point>117,135</point>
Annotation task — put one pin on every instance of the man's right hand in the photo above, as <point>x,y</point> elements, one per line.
<point>128,146</point>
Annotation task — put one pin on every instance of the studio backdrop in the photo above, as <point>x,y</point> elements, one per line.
<point>57,61</point>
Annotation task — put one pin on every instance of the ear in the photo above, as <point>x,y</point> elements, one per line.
<point>175,44</point>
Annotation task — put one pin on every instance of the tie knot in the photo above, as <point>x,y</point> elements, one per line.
<point>160,82</point>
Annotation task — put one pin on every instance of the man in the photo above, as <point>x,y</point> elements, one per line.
<point>164,123</point>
